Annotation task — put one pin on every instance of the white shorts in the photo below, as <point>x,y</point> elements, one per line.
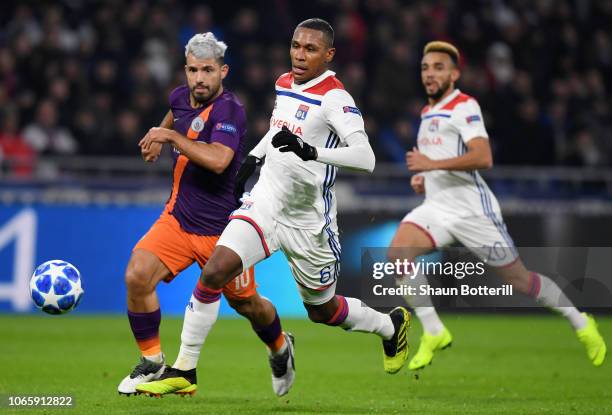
<point>486,236</point>
<point>314,257</point>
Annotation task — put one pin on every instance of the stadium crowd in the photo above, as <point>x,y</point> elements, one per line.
<point>80,77</point>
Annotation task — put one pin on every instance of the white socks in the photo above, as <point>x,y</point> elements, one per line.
<point>429,319</point>
<point>422,304</point>
<point>362,318</point>
<point>552,297</point>
<point>549,295</point>
<point>199,319</point>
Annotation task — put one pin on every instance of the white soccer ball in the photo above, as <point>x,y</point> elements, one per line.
<point>55,287</point>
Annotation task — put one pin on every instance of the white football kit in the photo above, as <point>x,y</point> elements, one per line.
<point>459,206</point>
<point>292,207</point>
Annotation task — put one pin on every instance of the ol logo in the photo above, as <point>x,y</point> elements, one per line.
<point>302,112</point>
<point>434,125</point>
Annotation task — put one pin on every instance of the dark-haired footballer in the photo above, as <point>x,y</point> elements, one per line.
<point>314,129</point>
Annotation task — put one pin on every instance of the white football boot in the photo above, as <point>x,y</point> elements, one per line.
<point>283,367</point>
<point>145,371</point>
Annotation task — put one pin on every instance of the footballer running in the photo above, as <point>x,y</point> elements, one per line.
<point>205,126</point>
<point>314,129</point>
<point>453,145</point>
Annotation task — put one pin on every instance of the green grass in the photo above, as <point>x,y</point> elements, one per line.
<point>498,364</point>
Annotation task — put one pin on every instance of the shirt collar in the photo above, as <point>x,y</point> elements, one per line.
<point>446,100</point>
<point>312,82</point>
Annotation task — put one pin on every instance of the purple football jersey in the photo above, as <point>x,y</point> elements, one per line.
<point>201,200</point>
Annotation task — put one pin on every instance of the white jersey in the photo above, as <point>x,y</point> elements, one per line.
<point>445,130</point>
<point>323,114</point>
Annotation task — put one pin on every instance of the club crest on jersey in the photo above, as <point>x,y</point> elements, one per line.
<point>302,112</point>
<point>197,124</point>
<point>434,125</point>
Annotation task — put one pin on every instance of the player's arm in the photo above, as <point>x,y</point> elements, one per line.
<point>153,150</point>
<point>345,119</point>
<point>477,157</point>
<point>259,151</point>
<point>417,182</point>
<point>214,156</point>
<point>358,155</point>
<point>469,125</point>
<point>250,163</point>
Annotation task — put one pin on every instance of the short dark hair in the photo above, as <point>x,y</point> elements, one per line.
<point>322,26</point>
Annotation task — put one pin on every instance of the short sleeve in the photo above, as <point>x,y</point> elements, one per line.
<point>341,113</point>
<point>467,118</point>
<point>229,124</point>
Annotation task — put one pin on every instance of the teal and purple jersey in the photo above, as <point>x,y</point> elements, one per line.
<point>201,200</point>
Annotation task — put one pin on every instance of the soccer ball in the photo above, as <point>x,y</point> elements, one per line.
<point>55,287</point>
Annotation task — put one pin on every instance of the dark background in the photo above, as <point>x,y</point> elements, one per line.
<point>90,77</point>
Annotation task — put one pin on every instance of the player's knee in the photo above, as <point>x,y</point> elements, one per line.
<point>399,253</point>
<point>402,249</point>
<point>214,276</point>
<point>318,315</point>
<point>137,281</point>
<point>519,280</point>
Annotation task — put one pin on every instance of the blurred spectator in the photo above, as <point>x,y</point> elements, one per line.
<point>394,140</point>
<point>16,155</point>
<point>583,150</point>
<point>350,33</point>
<point>532,138</point>
<point>45,135</point>
<point>89,77</point>
<point>500,65</point>
<point>128,133</point>
<point>200,21</point>
<point>391,92</point>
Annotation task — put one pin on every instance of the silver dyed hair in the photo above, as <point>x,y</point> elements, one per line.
<point>205,46</point>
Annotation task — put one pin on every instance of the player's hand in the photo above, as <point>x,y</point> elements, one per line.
<point>418,183</point>
<point>152,153</point>
<point>156,135</point>
<point>246,170</point>
<point>417,161</point>
<point>286,141</point>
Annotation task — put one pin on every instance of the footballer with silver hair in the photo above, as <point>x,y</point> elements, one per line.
<point>206,127</point>
<point>205,47</point>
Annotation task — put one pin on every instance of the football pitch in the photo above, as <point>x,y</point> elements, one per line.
<point>498,364</point>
